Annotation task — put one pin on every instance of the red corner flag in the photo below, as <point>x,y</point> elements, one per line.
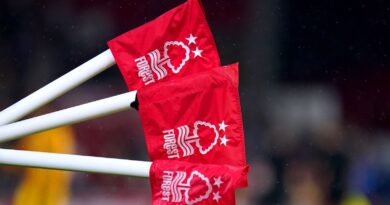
<point>178,42</point>
<point>178,183</point>
<point>196,118</point>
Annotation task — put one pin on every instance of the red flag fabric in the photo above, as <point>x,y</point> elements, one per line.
<point>175,182</point>
<point>176,43</point>
<point>196,118</point>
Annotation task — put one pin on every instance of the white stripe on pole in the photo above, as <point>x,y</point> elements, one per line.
<point>75,163</point>
<point>57,88</point>
<point>67,116</point>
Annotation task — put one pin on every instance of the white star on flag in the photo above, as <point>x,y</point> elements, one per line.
<point>216,196</point>
<point>218,182</point>
<point>197,52</point>
<point>191,39</point>
<point>224,140</point>
<point>222,125</point>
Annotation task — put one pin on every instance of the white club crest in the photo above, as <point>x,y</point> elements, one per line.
<point>183,143</point>
<point>197,181</point>
<point>160,60</point>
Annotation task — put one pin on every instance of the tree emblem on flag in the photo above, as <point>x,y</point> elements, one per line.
<point>173,55</point>
<point>196,188</point>
<point>201,148</point>
<point>184,59</point>
<point>205,136</point>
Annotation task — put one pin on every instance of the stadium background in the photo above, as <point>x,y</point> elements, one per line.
<point>314,91</point>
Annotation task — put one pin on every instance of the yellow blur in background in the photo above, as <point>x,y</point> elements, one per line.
<point>356,199</point>
<point>43,186</point>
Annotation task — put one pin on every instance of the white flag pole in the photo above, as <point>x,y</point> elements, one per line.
<point>75,163</point>
<point>57,88</point>
<point>67,116</point>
